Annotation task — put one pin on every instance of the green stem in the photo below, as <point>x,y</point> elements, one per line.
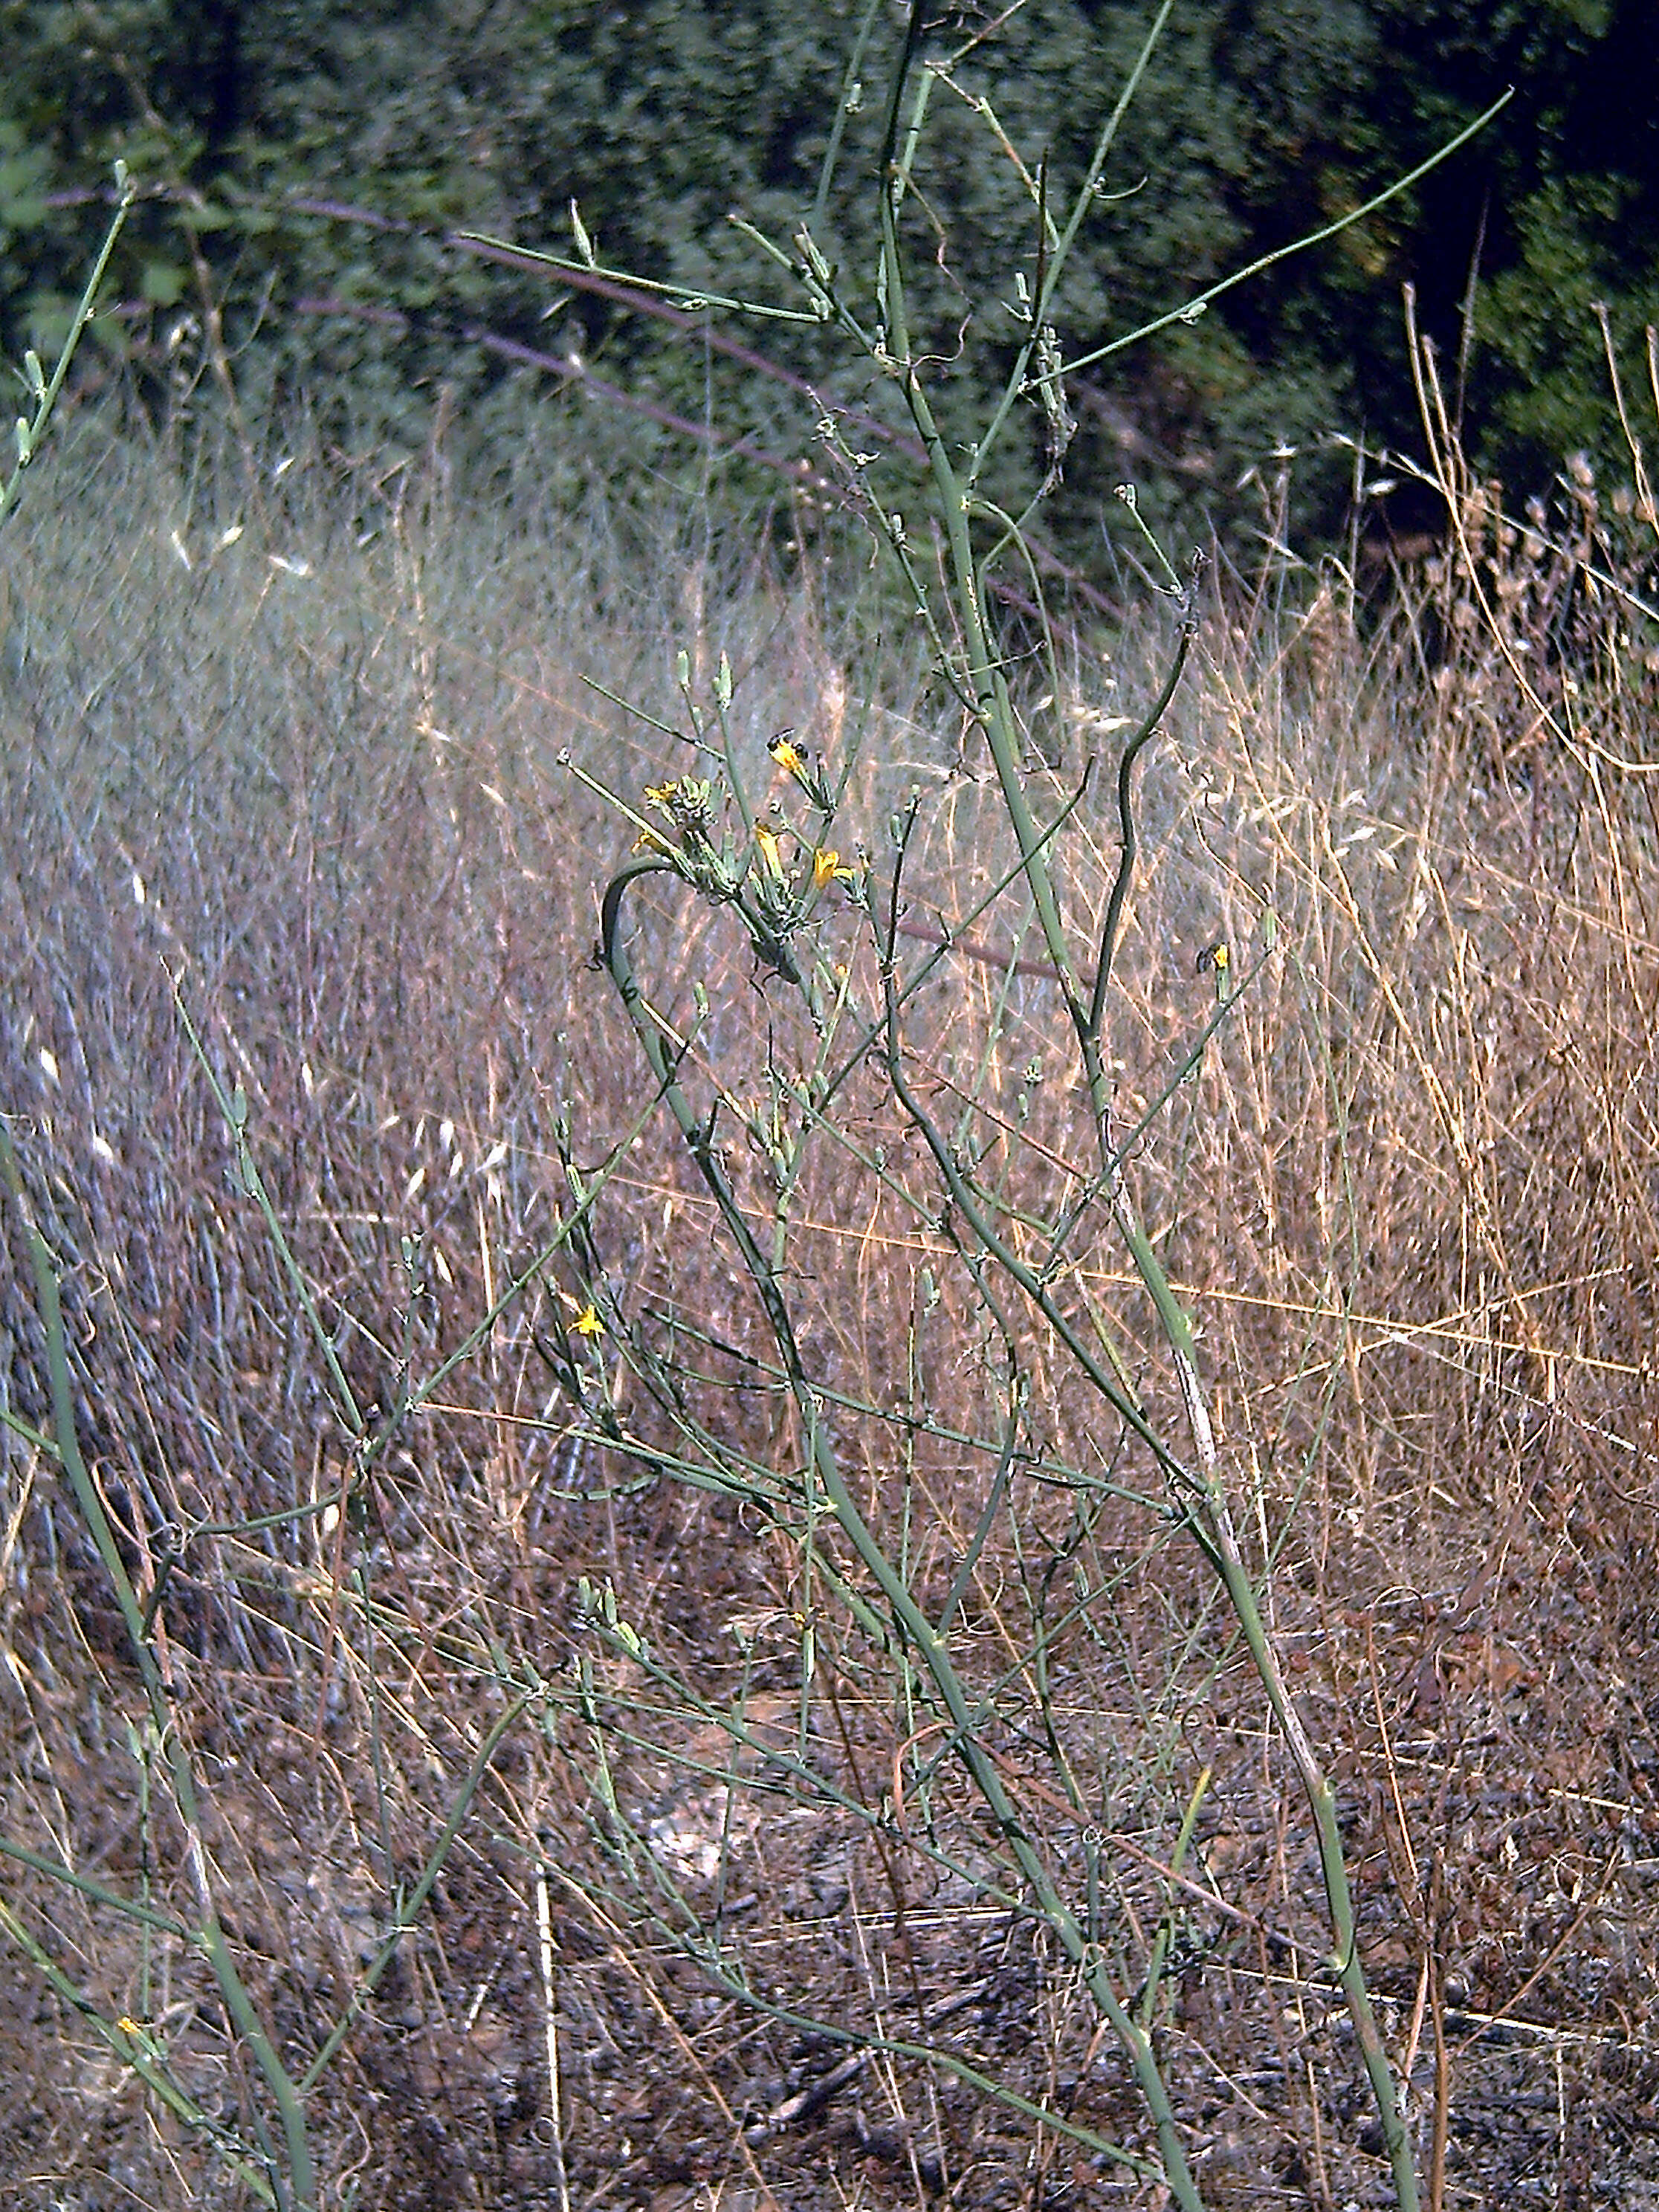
<point>1190,310</point>
<point>1126,864</point>
<point>30,434</point>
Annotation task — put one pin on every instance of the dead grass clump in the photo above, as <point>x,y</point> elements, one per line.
<point>555,1705</point>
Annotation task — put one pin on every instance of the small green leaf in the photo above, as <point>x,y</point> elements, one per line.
<point>162,283</point>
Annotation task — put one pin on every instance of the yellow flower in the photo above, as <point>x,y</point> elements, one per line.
<point>827,868</point>
<point>652,841</point>
<point>787,754</point>
<point>587,1322</point>
<point>661,794</point>
<point>767,838</point>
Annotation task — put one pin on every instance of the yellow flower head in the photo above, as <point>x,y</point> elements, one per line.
<point>767,838</point>
<point>661,794</point>
<point>587,1322</point>
<point>827,868</point>
<point>788,754</point>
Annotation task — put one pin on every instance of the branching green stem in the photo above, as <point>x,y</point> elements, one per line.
<point>913,1625</point>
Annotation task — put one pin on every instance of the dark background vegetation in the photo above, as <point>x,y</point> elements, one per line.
<point>270,135</point>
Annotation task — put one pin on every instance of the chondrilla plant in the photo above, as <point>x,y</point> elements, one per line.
<point>823,904</point>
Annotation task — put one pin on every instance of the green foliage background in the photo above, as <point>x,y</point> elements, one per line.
<point>1259,119</point>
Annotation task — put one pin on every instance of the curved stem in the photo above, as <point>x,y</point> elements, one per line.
<point>1126,864</point>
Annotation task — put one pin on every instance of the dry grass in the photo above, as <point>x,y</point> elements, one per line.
<point>1408,1189</point>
